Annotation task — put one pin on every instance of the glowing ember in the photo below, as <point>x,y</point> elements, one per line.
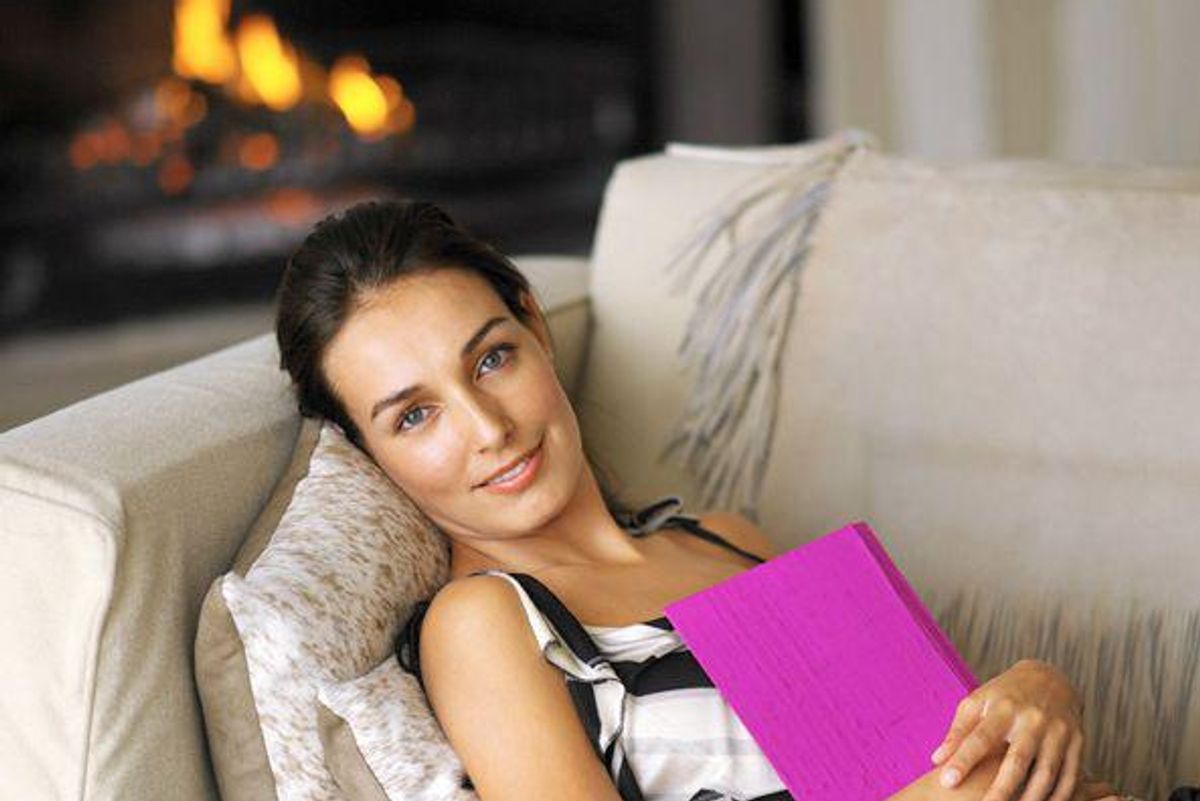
<point>202,47</point>
<point>83,151</point>
<point>177,105</point>
<point>292,207</point>
<point>175,174</point>
<point>258,151</point>
<point>270,65</point>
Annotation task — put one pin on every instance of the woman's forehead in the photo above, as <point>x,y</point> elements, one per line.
<point>447,286</point>
<point>410,326</point>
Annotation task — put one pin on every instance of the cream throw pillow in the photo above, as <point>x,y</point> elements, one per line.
<point>383,743</point>
<point>321,604</point>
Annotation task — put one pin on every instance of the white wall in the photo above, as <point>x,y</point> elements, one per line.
<point>1080,80</point>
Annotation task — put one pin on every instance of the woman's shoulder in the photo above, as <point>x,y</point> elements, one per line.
<point>475,609</point>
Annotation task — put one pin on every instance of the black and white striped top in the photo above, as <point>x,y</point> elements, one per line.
<point>661,729</point>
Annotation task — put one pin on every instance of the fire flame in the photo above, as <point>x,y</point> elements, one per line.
<point>257,65</point>
<point>270,64</point>
<point>356,93</point>
<point>202,48</point>
<point>253,64</point>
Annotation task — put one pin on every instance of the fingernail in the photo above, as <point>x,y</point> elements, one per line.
<point>939,753</point>
<point>949,777</point>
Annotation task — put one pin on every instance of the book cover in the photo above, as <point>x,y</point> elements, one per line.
<point>832,663</point>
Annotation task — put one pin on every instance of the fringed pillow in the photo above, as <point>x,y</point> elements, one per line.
<point>321,604</point>
<point>383,743</point>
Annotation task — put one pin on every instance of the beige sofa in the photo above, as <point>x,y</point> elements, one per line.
<point>991,363</point>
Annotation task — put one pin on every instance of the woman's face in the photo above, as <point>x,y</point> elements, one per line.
<point>481,392</point>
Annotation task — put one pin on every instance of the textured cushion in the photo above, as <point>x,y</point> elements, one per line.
<point>383,743</point>
<point>321,602</point>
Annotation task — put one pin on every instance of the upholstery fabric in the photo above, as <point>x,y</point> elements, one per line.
<point>235,737</point>
<point>117,513</point>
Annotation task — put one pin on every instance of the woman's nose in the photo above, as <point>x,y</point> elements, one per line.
<point>493,426</point>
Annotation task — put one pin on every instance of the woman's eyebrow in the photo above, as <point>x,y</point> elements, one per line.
<point>404,394</point>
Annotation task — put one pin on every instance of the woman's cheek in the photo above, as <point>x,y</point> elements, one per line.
<point>427,469</point>
<point>442,464</point>
<point>552,398</point>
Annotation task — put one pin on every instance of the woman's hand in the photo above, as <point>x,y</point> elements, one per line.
<point>1032,710</point>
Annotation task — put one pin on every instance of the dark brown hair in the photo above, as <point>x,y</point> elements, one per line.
<point>364,248</point>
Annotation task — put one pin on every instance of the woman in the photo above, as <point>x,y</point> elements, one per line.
<point>429,351</point>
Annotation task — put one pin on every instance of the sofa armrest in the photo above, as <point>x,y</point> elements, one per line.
<point>118,512</point>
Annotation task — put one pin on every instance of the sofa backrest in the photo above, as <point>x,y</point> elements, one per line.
<point>991,363</point>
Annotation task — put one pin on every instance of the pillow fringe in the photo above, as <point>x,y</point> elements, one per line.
<point>735,334</point>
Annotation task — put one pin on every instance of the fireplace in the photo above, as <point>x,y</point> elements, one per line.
<point>191,186</point>
<point>171,154</point>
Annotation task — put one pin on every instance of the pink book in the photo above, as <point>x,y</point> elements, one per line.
<point>832,663</point>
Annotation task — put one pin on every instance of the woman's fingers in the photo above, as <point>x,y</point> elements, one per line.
<point>966,716</point>
<point>1071,768</point>
<point>1047,770</point>
<point>1025,740</point>
<point>1011,773</point>
<point>985,738</point>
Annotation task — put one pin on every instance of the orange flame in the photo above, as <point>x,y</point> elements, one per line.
<point>270,65</point>
<point>202,48</point>
<point>255,65</point>
<point>372,105</point>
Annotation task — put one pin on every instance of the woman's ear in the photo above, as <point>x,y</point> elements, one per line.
<point>537,322</point>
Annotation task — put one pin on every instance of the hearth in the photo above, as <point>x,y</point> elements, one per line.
<point>192,188</point>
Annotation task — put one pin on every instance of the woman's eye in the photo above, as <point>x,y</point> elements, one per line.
<point>495,352</point>
<point>410,419</point>
<point>407,418</point>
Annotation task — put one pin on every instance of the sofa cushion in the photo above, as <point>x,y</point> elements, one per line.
<point>382,741</point>
<point>321,602</point>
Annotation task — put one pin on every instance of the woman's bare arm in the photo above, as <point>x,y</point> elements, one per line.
<point>505,710</point>
<point>972,788</point>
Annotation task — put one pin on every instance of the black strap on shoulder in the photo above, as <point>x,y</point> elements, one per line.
<point>576,636</point>
<point>649,518</point>
<point>692,525</point>
<point>646,520</point>
<point>664,513</point>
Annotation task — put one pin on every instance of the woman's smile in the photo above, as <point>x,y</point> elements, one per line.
<point>519,476</point>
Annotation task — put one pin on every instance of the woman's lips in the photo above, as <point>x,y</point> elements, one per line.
<point>521,480</point>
